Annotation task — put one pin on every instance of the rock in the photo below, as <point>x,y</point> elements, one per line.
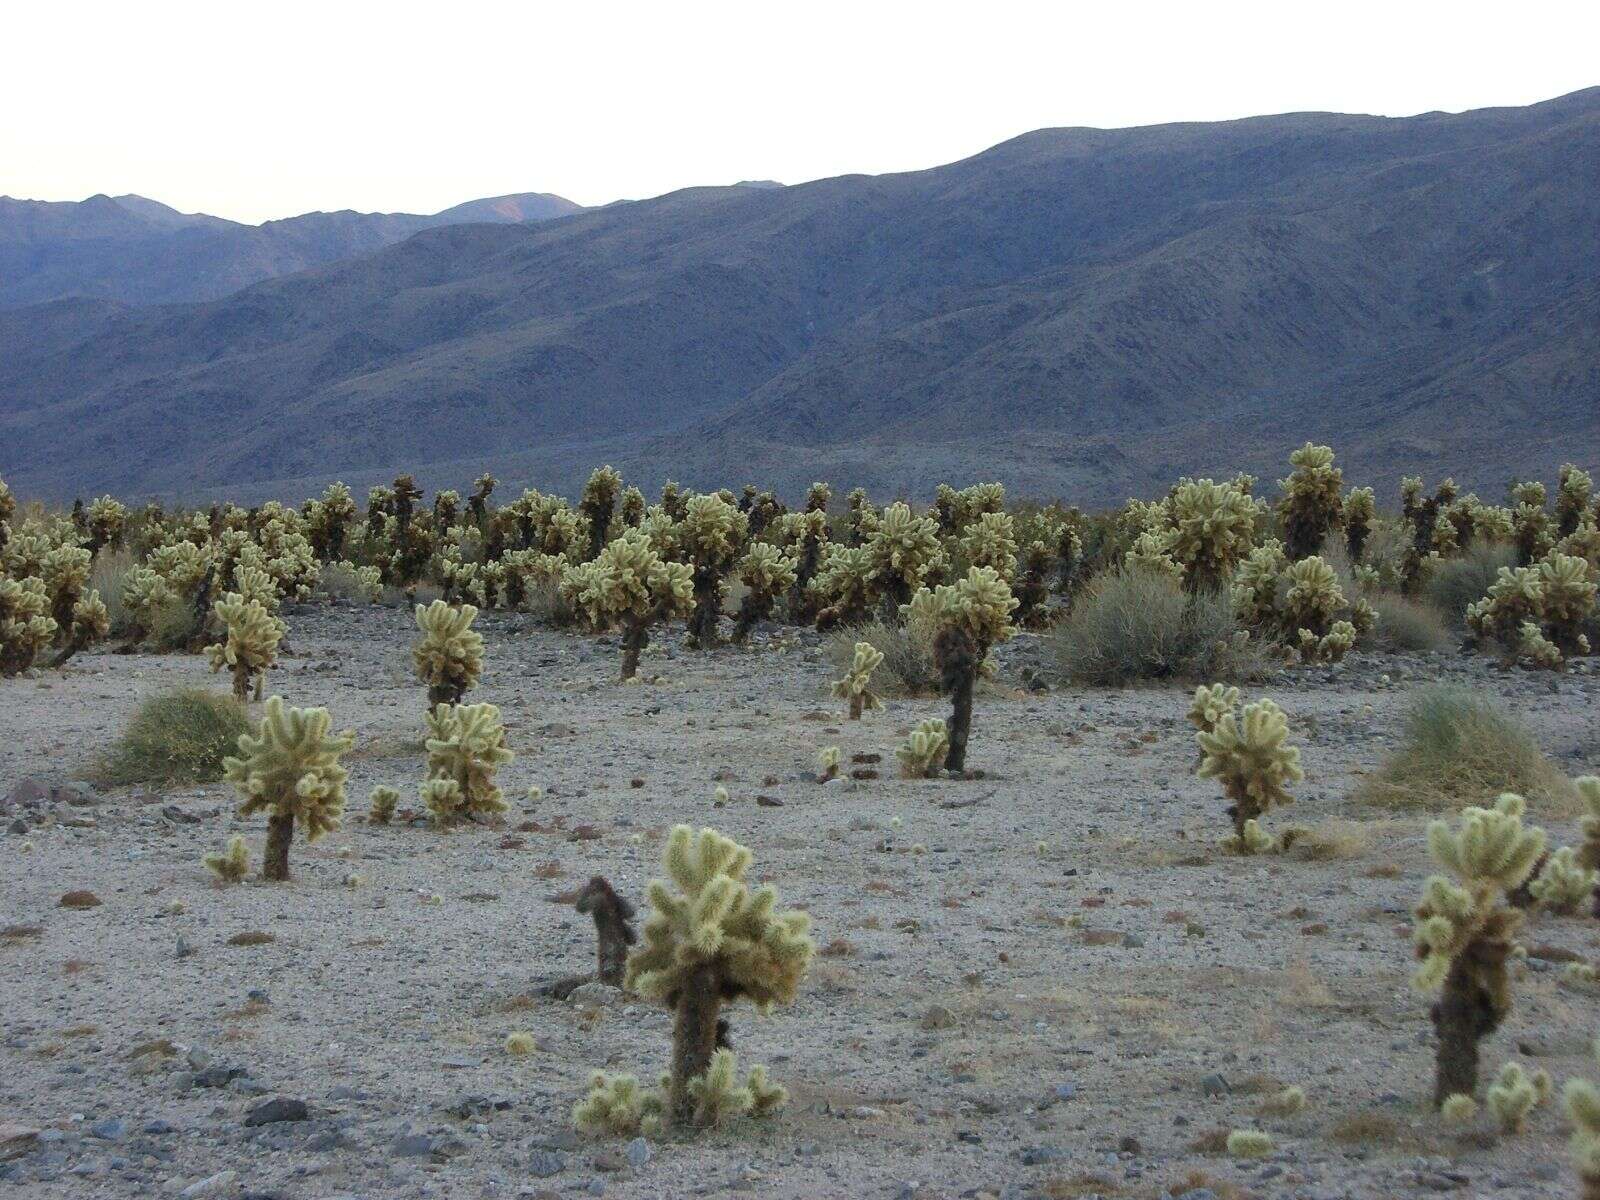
<point>217,1077</point>
<point>109,1131</point>
<point>1036,1156</point>
<point>16,1140</point>
<point>28,791</point>
<point>1215,1085</point>
<point>638,1153</point>
<point>277,1110</point>
<point>212,1185</point>
<point>79,899</point>
<point>938,1017</point>
<point>542,1164</point>
<point>595,993</point>
<point>413,1145</point>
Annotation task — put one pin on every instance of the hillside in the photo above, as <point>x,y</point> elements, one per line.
<point>1080,311</point>
<point>138,251</point>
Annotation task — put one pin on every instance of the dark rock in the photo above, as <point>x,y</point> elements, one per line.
<point>276,1110</point>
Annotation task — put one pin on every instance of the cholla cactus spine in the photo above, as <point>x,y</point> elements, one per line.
<point>1211,704</point>
<point>449,657</point>
<point>290,769</point>
<point>1465,932</point>
<point>854,686</point>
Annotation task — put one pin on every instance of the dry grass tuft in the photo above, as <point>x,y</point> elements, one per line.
<point>1331,841</point>
<point>1408,627</point>
<point>907,668</point>
<point>1460,747</point>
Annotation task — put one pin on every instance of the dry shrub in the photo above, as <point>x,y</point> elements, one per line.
<point>179,737</point>
<point>1458,582</point>
<point>172,625</point>
<point>1458,747</point>
<point>1366,1128</point>
<point>1407,627</point>
<point>1134,625</point>
<point>1330,841</point>
<point>907,668</point>
<point>549,605</point>
<point>108,577</point>
<point>341,583</point>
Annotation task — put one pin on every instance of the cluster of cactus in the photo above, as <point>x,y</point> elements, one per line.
<point>632,586</point>
<point>710,940</point>
<point>1311,508</point>
<point>1466,932</point>
<point>289,769</point>
<point>767,574</point>
<point>1537,613</point>
<point>250,647</point>
<point>1299,604</point>
<point>466,746</point>
<point>710,537</point>
<point>1197,536</point>
<point>1247,751</point>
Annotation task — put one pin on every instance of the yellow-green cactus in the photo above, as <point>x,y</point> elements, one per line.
<point>8,509</point>
<point>1311,508</point>
<point>1212,529</point>
<point>1309,612</point>
<point>1515,1094</point>
<point>854,687</point>
<point>767,573</point>
<point>924,749</point>
<point>710,537</point>
<point>250,648</point>
<point>903,554</point>
<point>233,863</point>
<point>329,521</point>
<point>828,760</point>
<point>1152,551</point>
<point>1249,1143</point>
<point>91,623</point>
<point>968,617</point>
<point>1360,510</point>
<point>26,626</point>
<point>630,585</point>
<point>290,770</point>
<point>617,1104</point>
<point>1582,1102</point>
<point>1563,883</point>
<point>1249,754</point>
<point>990,541</point>
<point>466,747</point>
<point>449,657</point>
<point>1574,487</point>
<point>842,586</point>
<point>711,939</point>
<point>1588,787</point>
<point>381,802</point>
<point>596,504</point>
<point>1465,932</point>
<point>65,572</point>
<point>1255,585</point>
<point>1568,585</point>
<point>1211,704</point>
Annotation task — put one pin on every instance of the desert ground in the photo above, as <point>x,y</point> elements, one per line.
<point>1045,982</point>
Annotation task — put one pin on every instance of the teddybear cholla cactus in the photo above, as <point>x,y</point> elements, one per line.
<point>1582,1100</point>
<point>1310,509</point>
<point>1211,704</point>
<point>1515,1094</point>
<point>766,573</point>
<point>598,499</point>
<point>290,770</point>
<point>854,686</point>
<point>1563,883</point>
<point>466,746</point>
<point>449,657</point>
<point>233,863</point>
<point>1212,527</point>
<point>924,749</point>
<point>710,536</point>
<point>631,585</point>
<point>251,645</point>
<point>968,617</point>
<point>709,940</point>
<point>26,627</point>
<point>381,802</point>
<point>1249,754</point>
<point>903,553</point>
<point>1465,932</point>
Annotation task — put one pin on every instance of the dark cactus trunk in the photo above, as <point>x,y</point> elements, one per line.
<point>1463,1016</point>
<point>958,657</point>
<point>280,832</point>
<point>695,1031</point>
<point>635,637</point>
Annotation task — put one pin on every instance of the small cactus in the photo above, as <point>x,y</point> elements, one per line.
<point>251,646</point>
<point>290,770</point>
<point>924,749</point>
<point>449,657</point>
<point>381,802</point>
<point>1563,883</point>
<point>1582,1102</point>
<point>854,686</point>
<point>233,863</point>
<point>1515,1094</point>
<point>466,746</point>
<point>1250,756</point>
<point>828,759</point>
<point>1249,1143</point>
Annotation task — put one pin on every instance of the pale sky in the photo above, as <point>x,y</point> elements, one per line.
<point>262,110</point>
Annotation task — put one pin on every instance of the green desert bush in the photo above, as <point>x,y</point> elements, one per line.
<point>1134,625</point>
<point>1457,747</point>
<point>1407,626</point>
<point>179,737</point>
<point>1458,582</point>
<point>108,576</point>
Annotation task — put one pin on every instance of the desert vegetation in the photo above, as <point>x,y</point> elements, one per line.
<point>1222,613</point>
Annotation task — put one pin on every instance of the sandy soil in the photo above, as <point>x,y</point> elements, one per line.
<point>1029,987</point>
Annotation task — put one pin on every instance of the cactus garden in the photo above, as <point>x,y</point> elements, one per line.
<point>667,842</point>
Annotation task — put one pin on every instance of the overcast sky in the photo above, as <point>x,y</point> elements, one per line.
<point>255,111</point>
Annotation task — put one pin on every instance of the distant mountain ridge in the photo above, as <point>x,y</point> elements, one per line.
<point>1077,312</point>
<point>139,251</point>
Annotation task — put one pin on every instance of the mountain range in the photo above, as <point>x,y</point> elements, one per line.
<point>139,251</point>
<point>1077,312</point>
